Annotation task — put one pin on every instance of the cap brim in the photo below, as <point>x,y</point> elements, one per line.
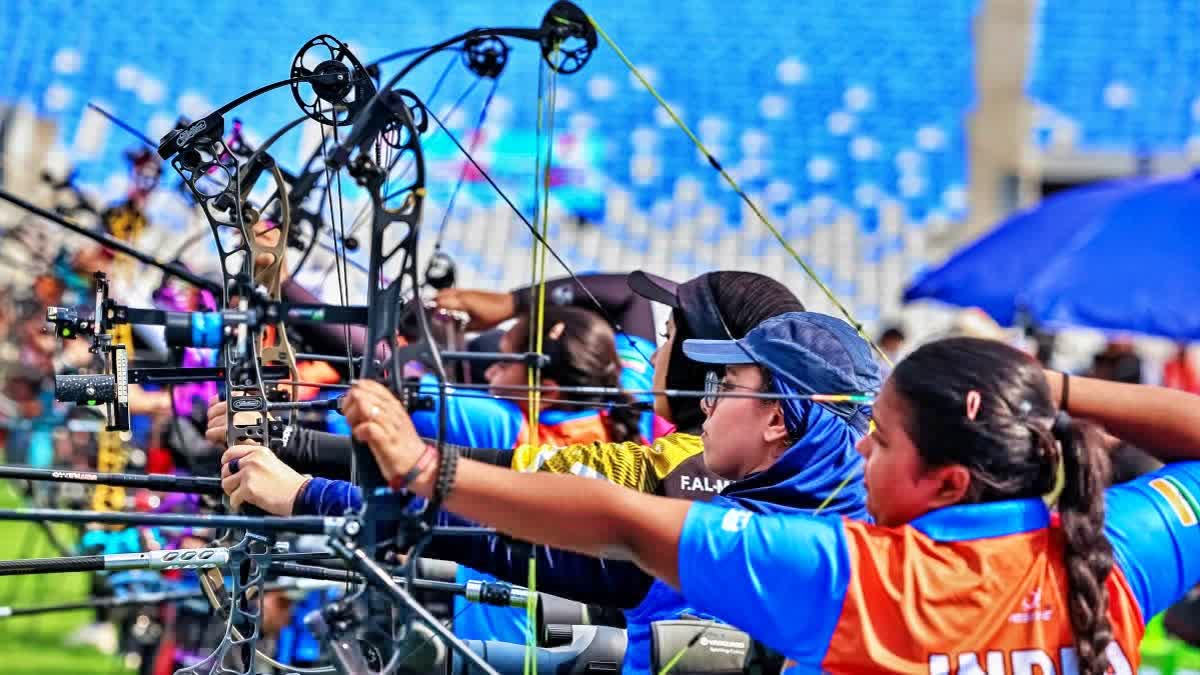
<point>724,352</point>
<point>654,287</point>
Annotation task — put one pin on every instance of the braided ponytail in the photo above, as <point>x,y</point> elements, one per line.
<point>1089,556</point>
<point>1013,444</point>
<point>624,421</point>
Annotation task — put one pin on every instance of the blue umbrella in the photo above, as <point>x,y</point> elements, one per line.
<point>1122,255</point>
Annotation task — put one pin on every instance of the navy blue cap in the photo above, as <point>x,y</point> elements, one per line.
<point>810,352</point>
<point>654,287</point>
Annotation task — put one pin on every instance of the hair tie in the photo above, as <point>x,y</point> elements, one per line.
<point>1062,425</point>
<point>973,402</point>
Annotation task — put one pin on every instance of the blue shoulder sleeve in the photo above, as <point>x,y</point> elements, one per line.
<point>325,497</point>
<point>637,371</point>
<point>748,569</point>
<point>1153,523</point>
<point>473,418</point>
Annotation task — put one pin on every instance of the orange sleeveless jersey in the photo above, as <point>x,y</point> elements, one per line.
<point>966,590</point>
<point>996,605</point>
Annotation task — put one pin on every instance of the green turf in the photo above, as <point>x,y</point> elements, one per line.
<point>34,645</point>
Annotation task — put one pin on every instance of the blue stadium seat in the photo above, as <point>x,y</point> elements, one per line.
<point>762,91</point>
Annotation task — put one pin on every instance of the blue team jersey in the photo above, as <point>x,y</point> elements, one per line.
<point>477,420</point>
<point>971,588</point>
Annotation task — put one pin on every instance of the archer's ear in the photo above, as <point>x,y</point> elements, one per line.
<point>953,481</point>
<point>776,431</point>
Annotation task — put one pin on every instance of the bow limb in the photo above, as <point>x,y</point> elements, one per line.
<point>270,276</point>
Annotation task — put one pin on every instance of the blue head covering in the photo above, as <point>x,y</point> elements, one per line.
<point>807,352</point>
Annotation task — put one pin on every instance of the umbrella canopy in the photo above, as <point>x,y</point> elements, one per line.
<point>1121,255</point>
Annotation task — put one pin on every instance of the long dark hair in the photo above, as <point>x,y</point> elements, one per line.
<point>1013,448</point>
<point>741,301</point>
<point>583,353</point>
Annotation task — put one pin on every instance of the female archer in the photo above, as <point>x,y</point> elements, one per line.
<point>783,453</point>
<point>965,567</point>
<point>806,461</point>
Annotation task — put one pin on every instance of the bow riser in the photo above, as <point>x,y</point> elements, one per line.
<point>202,157</point>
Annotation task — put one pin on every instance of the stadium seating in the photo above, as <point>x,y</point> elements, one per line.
<point>1116,76</point>
<point>850,135</point>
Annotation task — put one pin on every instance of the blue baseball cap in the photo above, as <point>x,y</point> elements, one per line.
<point>808,352</point>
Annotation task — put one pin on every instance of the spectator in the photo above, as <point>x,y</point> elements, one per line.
<point>891,343</point>
<point>1118,362</point>
<point>1180,372</point>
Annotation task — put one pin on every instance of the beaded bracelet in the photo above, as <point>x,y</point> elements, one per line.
<point>400,481</point>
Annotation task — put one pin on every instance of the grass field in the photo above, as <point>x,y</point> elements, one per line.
<point>35,645</point>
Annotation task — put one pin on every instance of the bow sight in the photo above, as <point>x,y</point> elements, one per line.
<point>110,389</point>
<point>334,89</point>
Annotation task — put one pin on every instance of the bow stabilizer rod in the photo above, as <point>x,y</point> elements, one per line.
<point>172,268</point>
<point>155,481</point>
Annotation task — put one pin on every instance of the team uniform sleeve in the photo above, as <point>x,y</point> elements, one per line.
<point>632,465</point>
<point>473,418</point>
<point>1153,523</point>
<point>325,497</point>
<point>781,578</point>
<point>318,452</point>
<point>637,374</point>
<point>620,463</point>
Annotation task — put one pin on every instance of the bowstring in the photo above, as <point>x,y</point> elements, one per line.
<point>341,259</point>
<point>462,173</point>
<point>337,223</point>
<point>733,184</point>
<point>533,370</point>
<point>339,255</point>
<point>394,158</point>
<point>547,98</point>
